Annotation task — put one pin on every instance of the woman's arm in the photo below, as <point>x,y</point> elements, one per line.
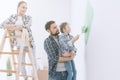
<point>8,21</point>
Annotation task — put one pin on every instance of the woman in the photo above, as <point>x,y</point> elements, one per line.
<point>24,21</point>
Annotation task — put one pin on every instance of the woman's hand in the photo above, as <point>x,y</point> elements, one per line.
<point>13,27</point>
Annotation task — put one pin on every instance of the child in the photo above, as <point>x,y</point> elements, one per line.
<point>67,44</point>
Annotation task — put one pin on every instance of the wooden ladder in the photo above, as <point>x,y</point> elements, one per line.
<point>24,37</point>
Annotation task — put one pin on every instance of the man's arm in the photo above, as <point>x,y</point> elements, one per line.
<point>51,54</point>
<point>65,59</point>
<point>67,46</point>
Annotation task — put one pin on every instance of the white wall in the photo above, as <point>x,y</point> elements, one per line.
<point>78,12</point>
<point>103,49</point>
<point>43,11</point>
<point>72,11</point>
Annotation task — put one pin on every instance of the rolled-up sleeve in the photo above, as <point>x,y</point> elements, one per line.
<point>7,21</point>
<point>50,51</point>
<point>66,45</point>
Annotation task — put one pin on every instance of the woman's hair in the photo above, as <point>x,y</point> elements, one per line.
<point>62,26</point>
<point>21,2</point>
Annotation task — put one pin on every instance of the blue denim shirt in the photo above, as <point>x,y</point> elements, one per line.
<point>65,46</point>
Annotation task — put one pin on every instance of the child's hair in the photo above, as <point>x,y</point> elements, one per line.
<point>62,26</point>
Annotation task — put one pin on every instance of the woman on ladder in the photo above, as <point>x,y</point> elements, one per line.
<point>25,21</point>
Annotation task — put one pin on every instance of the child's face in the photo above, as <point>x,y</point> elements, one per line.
<point>67,29</point>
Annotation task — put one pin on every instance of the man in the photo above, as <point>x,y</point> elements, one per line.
<point>57,69</point>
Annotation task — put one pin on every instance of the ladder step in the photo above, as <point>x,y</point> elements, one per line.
<point>24,64</point>
<point>26,75</point>
<point>8,71</point>
<point>19,51</point>
<point>13,52</point>
<point>25,37</point>
<point>11,28</point>
<point>14,72</point>
<point>13,36</point>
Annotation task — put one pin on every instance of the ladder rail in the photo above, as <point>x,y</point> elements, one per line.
<point>13,56</point>
<point>17,66</point>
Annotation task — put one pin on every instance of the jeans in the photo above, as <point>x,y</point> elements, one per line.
<point>59,76</point>
<point>70,66</point>
<point>23,70</point>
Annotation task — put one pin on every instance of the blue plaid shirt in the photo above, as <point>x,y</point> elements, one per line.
<point>27,23</point>
<point>52,50</point>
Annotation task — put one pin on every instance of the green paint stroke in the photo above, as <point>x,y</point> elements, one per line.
<point>88,21</point>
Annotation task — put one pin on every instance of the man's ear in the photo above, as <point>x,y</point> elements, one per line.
<point>64,29</point>
<point>48,30</point>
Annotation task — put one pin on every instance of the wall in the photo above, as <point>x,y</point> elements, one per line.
<point>103,49</point>
<point>72,11</point>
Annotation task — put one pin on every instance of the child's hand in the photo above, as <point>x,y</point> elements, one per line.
<point>75,38</point>
<point>65,54</point>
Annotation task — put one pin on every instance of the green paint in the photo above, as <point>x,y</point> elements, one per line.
<point>88,21</point>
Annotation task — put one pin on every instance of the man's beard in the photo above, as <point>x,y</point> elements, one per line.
<point>55,33</point>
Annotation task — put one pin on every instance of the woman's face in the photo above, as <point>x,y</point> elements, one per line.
<point>22,9</point>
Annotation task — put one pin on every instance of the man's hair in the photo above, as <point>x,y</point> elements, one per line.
<point>48,24</point>
<point>62,26</point>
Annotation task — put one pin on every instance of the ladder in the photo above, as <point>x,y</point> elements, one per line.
<point>24,37</point>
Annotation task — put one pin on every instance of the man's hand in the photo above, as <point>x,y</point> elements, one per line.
<point>73,53</point>
<point>69,58</point>
<point>66,54</point>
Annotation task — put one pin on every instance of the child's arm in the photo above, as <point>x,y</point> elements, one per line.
<point>65,46</point>
<point>71,43</point>
<point>74,39</point>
